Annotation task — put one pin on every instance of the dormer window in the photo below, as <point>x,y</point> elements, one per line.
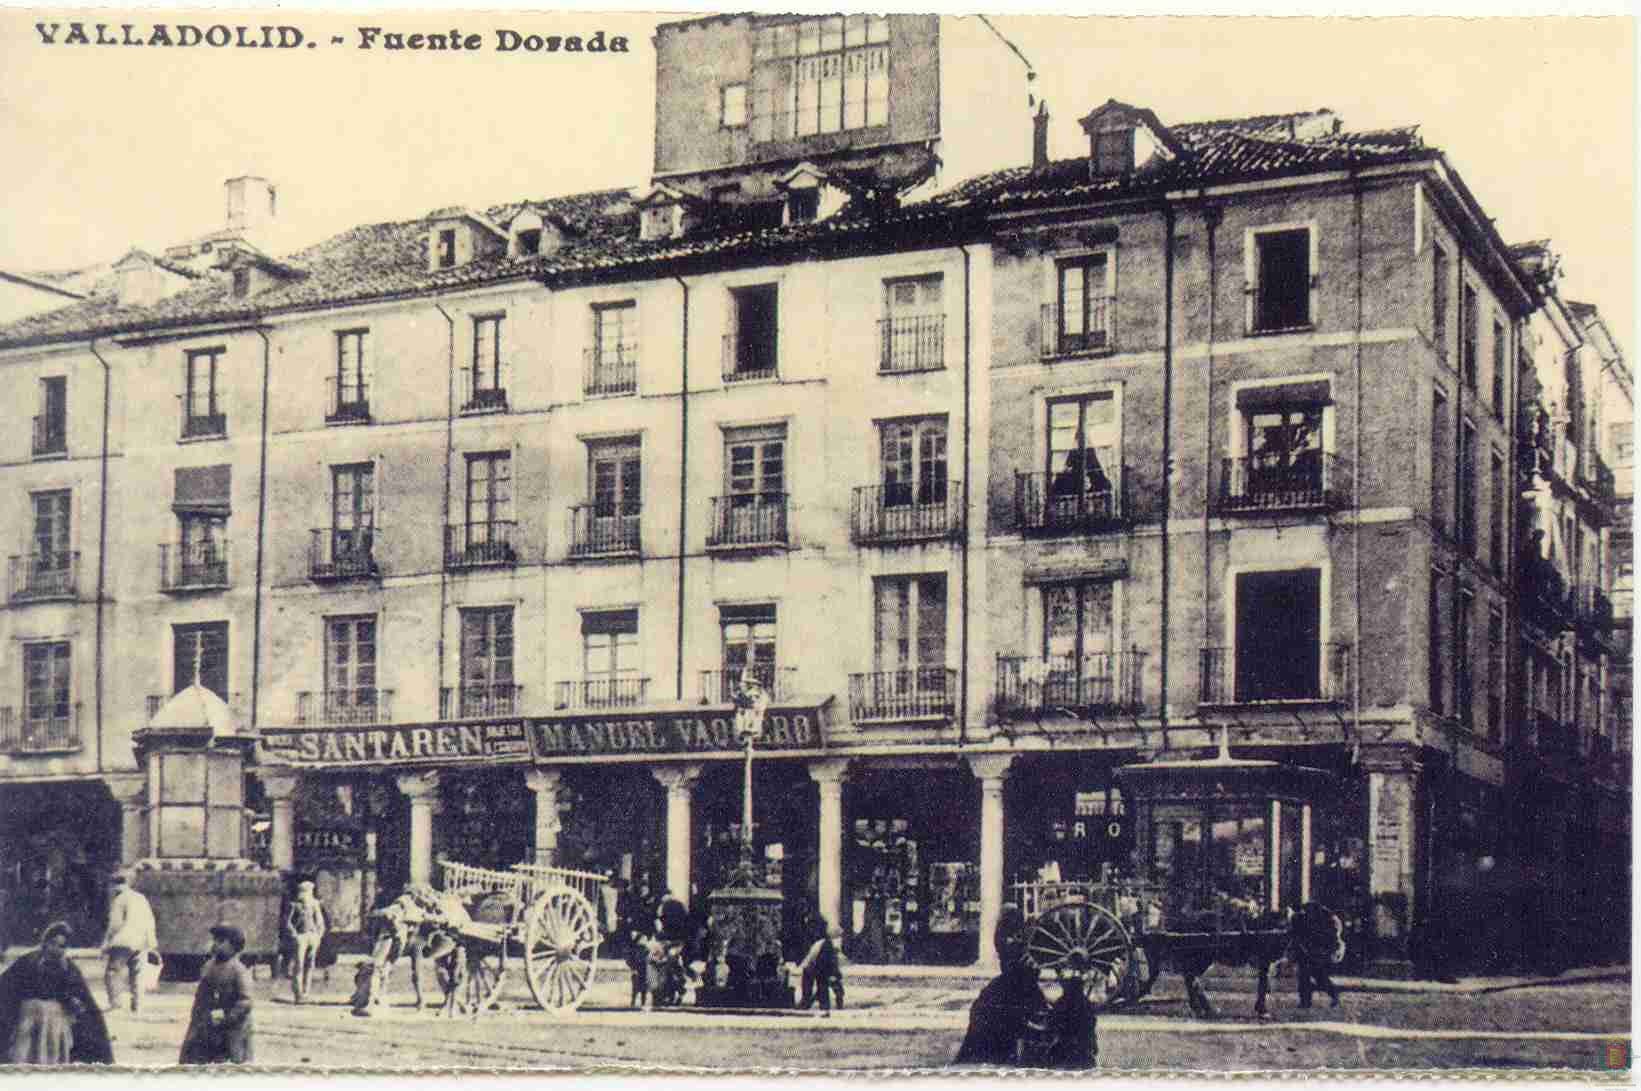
<point>802,206</point>
<point>242,282</point>
<point>447,248</point>
<point>1114,149</point>
<point>530,241</point>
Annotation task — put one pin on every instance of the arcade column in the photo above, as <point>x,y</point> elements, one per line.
<point>991,770</point>
<point>829,776</point>
<point>1392,841</point>
<point>422,789</point>
<point>130,792</point>
<point>679,781</point>
<point>544,783</point>
<point>280,789</point>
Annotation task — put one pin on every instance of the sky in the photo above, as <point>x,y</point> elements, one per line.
<point>111,146</point>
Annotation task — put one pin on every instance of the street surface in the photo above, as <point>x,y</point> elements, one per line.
<point>917,1023</point>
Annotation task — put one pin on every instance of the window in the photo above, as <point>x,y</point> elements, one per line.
<point>199,653</point>
<point>910,630</point>
<point>913,325</point>
<point>1435,650</point>
<point>1622,435</point>
<point>1278,635</point>
<point>1284,445</point>
<point>202,550</point>
<point>732,106</point>
<point>46,689</point>
<point>1079,642</point>
<point>350,669</point>
<point>447,248</point>
<point>822,75</point>
<point>1463,675</point>
<point>1467,488</point>
<point>350,385</point>
<point>50,553</point>
<point>1472,333</point>
<point>609,522</point>
<point>748,644</point>
<point>1498,369</point>
<point>1495,673</point>
<point>202,412</point>
<point>353,515</point>
<point>1500,512</point>
<point>487,385</point>
<point>609,650</point>
<point>1282,284</point>
<point>1082,304</point>
<point>803,205</point>
<point>1438,301</point>
<point>51,426</point>
<point>489,508</point>
<point>750,347</point>
<point>612,360</point>
<point>753,508</point>
<point>1084,470</point>
<point>1441,470</point>
<point>914,462</point>
<point>242,282</point>
<point>1114,149</point>
<point>487,662</point>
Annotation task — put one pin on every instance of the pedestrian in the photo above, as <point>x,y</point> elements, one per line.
<point>305,926</point>
<point>821,970</point>
<point>47,1013</point>
<point>1071,1023</point>
<point>1009,1016</point>
<point>132,933</point>
<point>219,1029</point>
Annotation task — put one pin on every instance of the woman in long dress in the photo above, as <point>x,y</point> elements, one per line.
<point>47,1014</point>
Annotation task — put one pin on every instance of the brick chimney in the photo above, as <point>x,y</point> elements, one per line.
<point>1039,137</point>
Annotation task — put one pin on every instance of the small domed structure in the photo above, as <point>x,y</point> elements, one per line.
<point>194,709</point>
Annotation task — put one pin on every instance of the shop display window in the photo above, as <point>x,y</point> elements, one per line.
<point>1214,861</point>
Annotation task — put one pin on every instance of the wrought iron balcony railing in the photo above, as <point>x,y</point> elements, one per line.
<point>911,343</point>
<point>1094,336</point>
<point>748,519</point>
<point>54,728</point>
<point>1308,481</point>
<point>347,706</point>
<point>203,425</point>
<point>476,699</point>
<point>623,691</point>
<point>911,693</point>
<point>1096,682</point>
<point>610,369</point>
<point>597,531</point>
<point>194,566</point>
<point>342,553</point>
<point>50,435</point>
<point>718,687</point>
<point>40,576</point>
<point>484,390</point>
<point>1043,504</point>
<point>906,512</point>
<point>748,359</point>
<point>347,401</point>
<point>480,545</point>
<point>1226,681</point>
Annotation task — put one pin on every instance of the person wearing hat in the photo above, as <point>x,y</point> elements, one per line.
<point>219,1030</point>
<point>305,927</point>
<point>131,934</point>
<point>47,1014</point>
<point>1001,1029</point>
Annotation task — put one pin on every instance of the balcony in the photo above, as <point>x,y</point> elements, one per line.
<point>51,730</point>
<point>610,370</point>
<point>484,391</point>
<point>1101,682</point>
<point>41,577</point>
<point>1095,337</point>
<point>342,554</point>
<point>480,545</point>
<point>602,535</point>
<point>901,513</point>
<point>479,699</point>
<point>356,706</point>
<point>1224,684</point>
<point>348,402</point>
<point>748,520</point>
<point>748,359</point>
<point>718,687</point>
<point>621,692</point>
<point>194,566</point>
<point>1546,599</point>
<point>50,435</point>
<point>912,693</point>
<point>911,343</point>
<point>1251,485</point>
<point>1041,508</point>
<point>204,425</point>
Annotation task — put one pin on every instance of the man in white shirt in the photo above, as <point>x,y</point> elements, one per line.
<point>131,934</point>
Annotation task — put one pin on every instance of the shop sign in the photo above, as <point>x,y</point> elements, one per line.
<point>395,745</point>
<point>333,840</point>
<point>671,733</point>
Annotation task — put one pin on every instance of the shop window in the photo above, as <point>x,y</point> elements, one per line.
<point>1278,633</point>
<point>199,653</point>
<point>1214,860</point>
<point>1281,294</point>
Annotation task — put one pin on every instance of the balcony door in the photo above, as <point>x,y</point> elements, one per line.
<point>615,472</point>
<point>51,531</point>
<point>755,484</point>
<point>353,509</point>
<point>489,505</point>
<point>200,653</point>
<point>1079,642</point>
<point>914,463</point>
<point>1285,450</point>
<point>911,624</point>
<point>1082,458</point>
<point>1278,635</point>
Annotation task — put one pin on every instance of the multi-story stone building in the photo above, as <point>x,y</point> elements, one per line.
<point>478,519</point>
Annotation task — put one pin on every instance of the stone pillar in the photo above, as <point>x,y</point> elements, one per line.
<point>829,776</point>
<point>130,792</point>
<point>423,792</point>
<point>1393,832</point>
<point>679,781</point>
<point>280,788</point>
<point>992,770</point>
<point>544,783</point>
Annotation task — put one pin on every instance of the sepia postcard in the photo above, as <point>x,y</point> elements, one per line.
<point>851,543</point>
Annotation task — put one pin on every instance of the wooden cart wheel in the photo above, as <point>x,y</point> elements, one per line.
<point>560,949</point>
<point>1078,937</point>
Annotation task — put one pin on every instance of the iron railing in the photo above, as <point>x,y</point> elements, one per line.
<point>1042,508</point>
<point>1224,684</point>
<point>905,694</point>
<point>37,576</point>
<point>50,434</point>
<point>1308,481</point>
<point>593,534</point>
<point>748,519</point>
<point>904,512</point>
<point>194,566</point>
<point>911,343</point>
<point>1098,681</point>
<point>748,359</point>
<point>346,706</point>
<point>718,687</point>
<point>39,731</point>
<point>484,390</point>
<point>1095,338</point>
<point>480,545</point>
<point>476,699</point>
<point>342,553</point>
<point>348,401</point>
<point>610,369</point>
<point>624,691</point>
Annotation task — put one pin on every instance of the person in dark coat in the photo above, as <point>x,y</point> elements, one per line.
<point>1005,1019</point>
<point>219,1029</point>
<point>1071,1026</point>
<point>47,1014</point>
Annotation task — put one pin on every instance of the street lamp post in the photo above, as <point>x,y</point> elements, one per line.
<point>751,703</point>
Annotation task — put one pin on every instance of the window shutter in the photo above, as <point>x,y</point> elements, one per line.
<point>203,489</point>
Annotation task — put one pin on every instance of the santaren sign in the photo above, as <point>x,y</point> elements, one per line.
<point>671,733</point>
<point>393,745</point>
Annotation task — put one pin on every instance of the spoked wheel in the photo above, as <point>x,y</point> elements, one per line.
<point>560,949</point>
<point>1083,939</point>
